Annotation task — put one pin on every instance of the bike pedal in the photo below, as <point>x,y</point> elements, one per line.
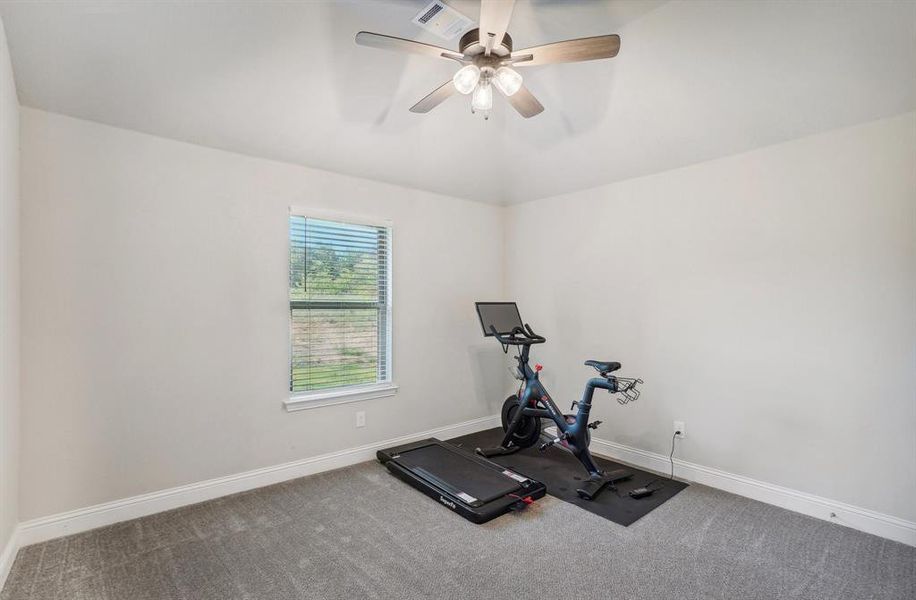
<point>594,424</point>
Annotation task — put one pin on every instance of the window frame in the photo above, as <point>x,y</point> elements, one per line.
<point>351,393</point>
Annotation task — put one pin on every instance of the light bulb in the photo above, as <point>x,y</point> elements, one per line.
<point>507,80</point>
<point>466,79</point>
<point>482,100</point>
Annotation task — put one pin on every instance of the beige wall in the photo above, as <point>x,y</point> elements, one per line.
<point>768,300</point>
<point>155,313</point>
<point>9,297</point>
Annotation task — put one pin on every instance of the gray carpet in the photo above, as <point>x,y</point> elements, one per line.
<point>360,533</point>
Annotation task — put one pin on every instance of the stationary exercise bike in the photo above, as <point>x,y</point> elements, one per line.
<point>522,412</point>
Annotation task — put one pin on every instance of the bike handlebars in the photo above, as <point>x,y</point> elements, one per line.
<point>529,336</point>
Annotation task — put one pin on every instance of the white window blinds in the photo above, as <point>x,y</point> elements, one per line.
<point>339,304</point>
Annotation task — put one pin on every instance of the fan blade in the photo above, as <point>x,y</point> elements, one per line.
<point>590,48</point>
<point>435,98</point>
<point>525,103</point>
<point>494,21</point>
<point>387,42</point>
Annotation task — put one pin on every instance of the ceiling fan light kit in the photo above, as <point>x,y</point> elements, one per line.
<point>507,81</point>
<point>466,79</point>
<point>487,60</point>
<point>482,100</point>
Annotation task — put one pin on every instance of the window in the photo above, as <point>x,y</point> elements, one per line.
<point>339,306</point>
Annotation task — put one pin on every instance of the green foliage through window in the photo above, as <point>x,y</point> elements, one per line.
<point>339,304</point>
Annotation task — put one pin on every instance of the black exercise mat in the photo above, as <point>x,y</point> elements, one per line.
<point>562,473</point>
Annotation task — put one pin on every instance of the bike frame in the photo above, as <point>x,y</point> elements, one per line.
<point>535,401</point>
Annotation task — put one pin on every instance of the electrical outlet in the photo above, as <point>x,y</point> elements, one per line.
<point>360,418</point>
<point>679,426</point>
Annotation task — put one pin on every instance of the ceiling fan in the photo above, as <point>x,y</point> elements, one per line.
<point>487,60</point>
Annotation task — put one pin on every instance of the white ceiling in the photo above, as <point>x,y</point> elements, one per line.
<point>284,80</point>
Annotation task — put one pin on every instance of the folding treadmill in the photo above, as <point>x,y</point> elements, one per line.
<point>477,489</point>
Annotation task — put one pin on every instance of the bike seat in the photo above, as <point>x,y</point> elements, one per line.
<point>603,367</point>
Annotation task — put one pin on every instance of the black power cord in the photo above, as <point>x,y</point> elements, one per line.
<point>671,455</point>
<point>647,487</point>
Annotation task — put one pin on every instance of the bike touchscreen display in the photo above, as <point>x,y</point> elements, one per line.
<point>501,315</point>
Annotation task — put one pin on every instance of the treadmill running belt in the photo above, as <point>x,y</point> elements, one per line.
<point>463,474</point>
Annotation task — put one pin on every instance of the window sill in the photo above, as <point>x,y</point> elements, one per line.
<point>341,396</point>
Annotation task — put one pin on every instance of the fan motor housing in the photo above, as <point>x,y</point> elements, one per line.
<point>470,45</point>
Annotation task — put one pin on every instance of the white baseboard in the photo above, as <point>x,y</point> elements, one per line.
<point>84,519</point>
<point>8,555</point>
<point>869,521</point>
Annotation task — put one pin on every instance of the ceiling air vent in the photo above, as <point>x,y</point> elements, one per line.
<point>442,20</point>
